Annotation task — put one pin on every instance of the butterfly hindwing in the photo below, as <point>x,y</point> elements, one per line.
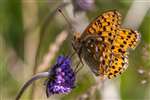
<point>118,64</point>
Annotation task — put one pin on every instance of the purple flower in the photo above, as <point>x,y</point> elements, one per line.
<point>62,77</point>
<point>83,5</point>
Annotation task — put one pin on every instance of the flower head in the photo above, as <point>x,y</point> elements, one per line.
<point>62,77</point>
<point>83,5</point>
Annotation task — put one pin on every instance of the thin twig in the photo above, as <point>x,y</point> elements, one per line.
<point>29,82</point>
<point>53,49</point>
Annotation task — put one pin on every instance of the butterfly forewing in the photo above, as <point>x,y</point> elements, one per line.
<point>125,39</point>
<point>107,22</point>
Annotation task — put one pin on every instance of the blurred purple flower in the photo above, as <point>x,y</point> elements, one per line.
<point>83,5</point>
<point>62,77</point>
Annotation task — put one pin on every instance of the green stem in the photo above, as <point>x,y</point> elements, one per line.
<point>30,81</point>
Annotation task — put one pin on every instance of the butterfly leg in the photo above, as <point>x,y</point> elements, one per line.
<point>77,66</point>
<point>78,51</point>
<point>77,69</point>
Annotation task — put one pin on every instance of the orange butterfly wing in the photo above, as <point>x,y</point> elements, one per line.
<point>125,39</point>
<point>104,26</point>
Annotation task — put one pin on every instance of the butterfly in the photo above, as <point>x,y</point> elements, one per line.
<point>104,45</point>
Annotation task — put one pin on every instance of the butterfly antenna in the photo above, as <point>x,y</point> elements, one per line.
<point>61,12</point>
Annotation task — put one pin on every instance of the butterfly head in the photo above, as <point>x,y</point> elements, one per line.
<point>77,44</point>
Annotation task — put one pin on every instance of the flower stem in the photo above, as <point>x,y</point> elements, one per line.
<point>41,37</point>
<point>34,78</point>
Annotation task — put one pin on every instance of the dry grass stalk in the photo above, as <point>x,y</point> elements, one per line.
<point>53,49</point>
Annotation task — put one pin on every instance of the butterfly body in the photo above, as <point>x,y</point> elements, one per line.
<point>104,44</point>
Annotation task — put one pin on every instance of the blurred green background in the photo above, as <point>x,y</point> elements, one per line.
<point>25,23</point>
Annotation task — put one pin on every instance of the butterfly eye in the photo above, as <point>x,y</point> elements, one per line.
<point>77,35</point>
<point>74,37</point>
